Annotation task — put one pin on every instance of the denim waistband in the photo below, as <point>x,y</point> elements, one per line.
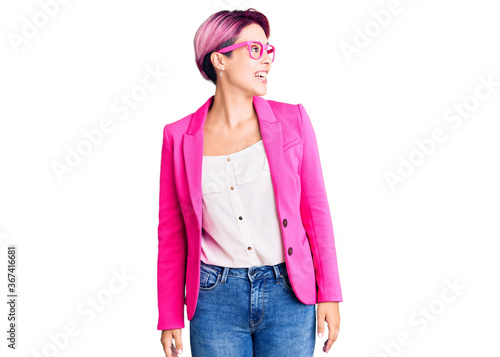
<point>251,272</point>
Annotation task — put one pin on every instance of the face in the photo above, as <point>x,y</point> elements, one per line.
<point>240,70</point>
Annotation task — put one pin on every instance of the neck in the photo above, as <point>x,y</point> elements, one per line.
<point>230,109</point>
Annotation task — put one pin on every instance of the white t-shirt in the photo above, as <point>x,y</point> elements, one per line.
<point>240,224</point>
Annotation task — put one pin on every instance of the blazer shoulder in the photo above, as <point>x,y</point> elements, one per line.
<point>282,106</point>
<point>178,128</point>
<point>286,112</point>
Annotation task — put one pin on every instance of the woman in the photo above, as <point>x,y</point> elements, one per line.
<point>244,221</point>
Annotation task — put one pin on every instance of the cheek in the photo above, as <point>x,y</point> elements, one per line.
<point>245,75</point>
<point>243,71</point>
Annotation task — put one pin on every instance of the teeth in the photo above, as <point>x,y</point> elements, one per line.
<point>261,75</point>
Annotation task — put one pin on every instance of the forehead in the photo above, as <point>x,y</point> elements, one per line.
<point>253,32</point>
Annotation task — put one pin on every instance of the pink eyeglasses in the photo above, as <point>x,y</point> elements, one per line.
<point>255,49</point>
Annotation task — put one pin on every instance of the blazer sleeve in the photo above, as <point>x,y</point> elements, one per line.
<point>172,245</point>
<point>316,217</point>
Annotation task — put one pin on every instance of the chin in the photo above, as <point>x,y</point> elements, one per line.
<point>258,90</point>
<point>261,91</point>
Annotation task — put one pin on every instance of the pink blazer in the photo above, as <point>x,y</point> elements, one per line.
<point>302,206</point>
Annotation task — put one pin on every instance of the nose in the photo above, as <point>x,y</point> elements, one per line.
<point>266,57</point>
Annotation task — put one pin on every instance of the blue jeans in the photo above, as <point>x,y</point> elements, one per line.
<point>246,312</point>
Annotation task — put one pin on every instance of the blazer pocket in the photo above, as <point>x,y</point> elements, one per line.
<point>304,239</point>
<point>290,144</point>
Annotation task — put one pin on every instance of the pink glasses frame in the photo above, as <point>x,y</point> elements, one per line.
<point>248,43</point>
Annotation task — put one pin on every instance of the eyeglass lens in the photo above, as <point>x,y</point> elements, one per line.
<point>256,49</point>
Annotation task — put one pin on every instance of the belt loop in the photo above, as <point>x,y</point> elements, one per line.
<point>277,273</point>
<point>224,275</point>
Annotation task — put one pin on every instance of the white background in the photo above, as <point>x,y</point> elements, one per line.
<point>396,248</point>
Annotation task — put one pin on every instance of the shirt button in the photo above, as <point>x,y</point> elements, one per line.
<point>228,159</point>
<point>285,222</point>
<point>232,188</point>
<point>249,248</point>
<point>240,218</point>
<point>290,251</point>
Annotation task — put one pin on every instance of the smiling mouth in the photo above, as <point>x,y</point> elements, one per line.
<point>261,76</point>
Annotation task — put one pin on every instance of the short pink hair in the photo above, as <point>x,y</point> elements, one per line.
<point>220,30</point>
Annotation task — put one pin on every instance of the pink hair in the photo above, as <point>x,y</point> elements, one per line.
<point>220,30</point>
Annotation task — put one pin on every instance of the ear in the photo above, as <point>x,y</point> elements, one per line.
<point>216,59</point>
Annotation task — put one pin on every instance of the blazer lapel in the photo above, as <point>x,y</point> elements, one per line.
<point>270,129</point>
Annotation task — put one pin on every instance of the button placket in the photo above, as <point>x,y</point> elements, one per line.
<point>238,211</point>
